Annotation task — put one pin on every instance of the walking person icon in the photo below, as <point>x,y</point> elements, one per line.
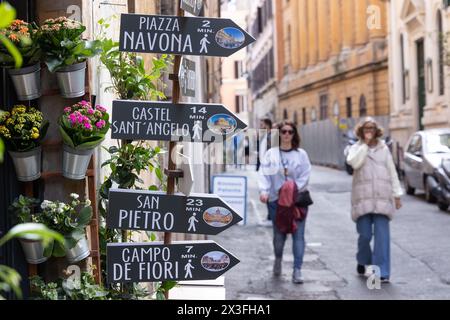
<point>192,220</point>
<point>188,268</point>
<point>204,43</point>
<point>197,131</point>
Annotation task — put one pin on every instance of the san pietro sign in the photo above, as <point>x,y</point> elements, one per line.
<point>165,121</point>
<point>181,35</point>
<point>157,211</point>
<point>152,262</point>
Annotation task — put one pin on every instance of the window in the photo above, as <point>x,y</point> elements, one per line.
<point>295,120</point>
<point>259,20</point>
<point>240,104</point>
<point>285,114</point>
<point>402,59</point>
<point>313,114</point>
<point>237,69</point>
<point>304,115</point>
<point>362,106</point>
<point>441,53</point>
<point>324,107</point>
<point>287,51</point>
<point>349,107</point>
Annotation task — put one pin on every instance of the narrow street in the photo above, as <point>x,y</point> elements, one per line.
<point>420,242</point>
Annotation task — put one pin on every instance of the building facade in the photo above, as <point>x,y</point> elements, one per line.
<point>419,78</point>
<point>332,59</point>
<point>261,57</point>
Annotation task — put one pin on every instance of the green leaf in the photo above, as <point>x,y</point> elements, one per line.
<point>8,14</point>
<point>2,150</point>
<point>10,280</point>
<point>167,285</point>
<point>66,138</point>
<point>85,216</point>
<point>32,231</point>
<point>59,250</point>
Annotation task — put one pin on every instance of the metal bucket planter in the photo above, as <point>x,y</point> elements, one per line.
<point>33,250</point>
<point>71,80</point>
<point>79,252</point>
<point>27,164</point>
<point>27,82</point>
<point>75,162</point>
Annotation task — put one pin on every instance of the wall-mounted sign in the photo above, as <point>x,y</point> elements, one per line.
<point>233,190</point>
<point>187,77</point>
<point>192,6</point>
<point>146,120</point>
<point>181,35</point>
<point>156,211</point>
<point>148,262</point>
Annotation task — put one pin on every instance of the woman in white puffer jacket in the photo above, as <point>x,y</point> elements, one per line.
<point>376,193</point>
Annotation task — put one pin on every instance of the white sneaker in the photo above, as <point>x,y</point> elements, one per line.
<point>297,276</point>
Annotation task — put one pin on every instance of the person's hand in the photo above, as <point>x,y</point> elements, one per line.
<point>264,198</point>
<point>398,203</point>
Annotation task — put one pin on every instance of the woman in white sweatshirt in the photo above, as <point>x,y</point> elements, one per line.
<point>278,164</point>
<point>376,193</point>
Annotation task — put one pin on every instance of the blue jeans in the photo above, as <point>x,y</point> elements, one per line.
<point>279,238</point>
<point>381,250</point>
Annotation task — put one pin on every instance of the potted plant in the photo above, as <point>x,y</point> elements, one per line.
<point>66,53</point>
<point>70,220</point>
<point>23,129</point>
<point>26,79</point>
<point>33,248</point>
<point>83,128</point>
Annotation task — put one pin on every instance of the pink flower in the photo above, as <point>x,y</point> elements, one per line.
<point>100,108</point>
<point>84,103</point>
<point>72,119</point>
<point>67,109</point>
<point>100,124</point>
<point>86,119</point>
<point>91,111</point>
<point>88,126</point>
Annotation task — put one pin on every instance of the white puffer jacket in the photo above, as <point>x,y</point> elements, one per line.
<point>375,180</point>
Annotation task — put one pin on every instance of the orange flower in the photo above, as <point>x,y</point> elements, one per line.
<point>13,37</point>
<point>23,30</point>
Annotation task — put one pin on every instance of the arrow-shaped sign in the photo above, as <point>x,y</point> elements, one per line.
<point>157,211</point>
<point>181,35</point>
<point>146,120</point>
<point>145,262</point>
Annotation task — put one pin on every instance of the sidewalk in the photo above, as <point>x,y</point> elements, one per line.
<point>252,244</point>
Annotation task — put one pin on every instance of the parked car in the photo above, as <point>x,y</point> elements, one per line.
<point>442,189</point>
<point>424,153</point>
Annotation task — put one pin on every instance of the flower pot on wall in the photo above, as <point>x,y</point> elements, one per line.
<point>71,80</point>
<point>27,82</point>
<point>33,250</point>
<point>79,252</point>
<point>76,162</point>
<point>27,164</point>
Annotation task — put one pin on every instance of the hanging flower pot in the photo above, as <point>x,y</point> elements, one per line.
<point>27,164</point>
<point>23,129</point>
<point>27,82</point>
<point>83,128</point>
<point>33,250</point>
<point>71,80</point>
<point>79,252</point>
<point>75,162</point>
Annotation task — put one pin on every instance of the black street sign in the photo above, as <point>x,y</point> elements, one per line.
<point>157,211</point>
<point>165,121</point>
<point>181,35</point>
<point>192,6</point>
<point>153,262</point>
<point>187,77</point>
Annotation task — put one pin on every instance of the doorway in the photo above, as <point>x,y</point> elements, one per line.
<point>422,95</point>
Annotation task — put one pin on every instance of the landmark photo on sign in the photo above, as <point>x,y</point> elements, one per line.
<point>222,124</point>
<point>215,261</point>
<point>230,38</point>
<point>218,217</point>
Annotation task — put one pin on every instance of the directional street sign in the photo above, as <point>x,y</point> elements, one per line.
<point>165,121</point>
<point>157,211</point>
<point>181,35</point>
<point>187,77</point>
<point>192,6</point>
<point>181,261</point>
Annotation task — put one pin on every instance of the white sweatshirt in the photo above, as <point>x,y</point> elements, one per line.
<point>356,157</point>
<point>271,174</point>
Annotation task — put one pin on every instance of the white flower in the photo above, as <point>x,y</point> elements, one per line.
<point>45,204</point>
<point>74,196</point>
<point>87,202</point>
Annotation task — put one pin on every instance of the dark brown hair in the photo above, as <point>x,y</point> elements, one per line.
<point>296,140</point>
<point>267,122</point>
<point>359,130</point>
